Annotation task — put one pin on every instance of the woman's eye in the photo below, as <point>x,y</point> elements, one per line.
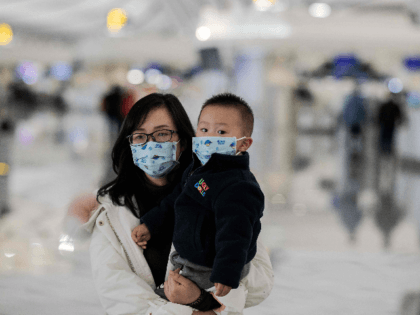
<point>203,130</point>
<point>221,132</point>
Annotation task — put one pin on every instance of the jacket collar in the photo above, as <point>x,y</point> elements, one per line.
<point>224,162</point>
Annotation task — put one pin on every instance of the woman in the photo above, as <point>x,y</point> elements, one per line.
<point>125,275</point>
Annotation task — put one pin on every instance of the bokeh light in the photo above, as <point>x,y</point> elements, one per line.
<point>28,72</point>
<point>116,19</point>
<point>25,136</point>
<point>61,71</point>
<point>4,169</point>
<point>263,5</point>
<point>203,33</point>
<point>153,76</point>
<point>164,83</point>
<point>395,85</point>
<point>66,244</point>
<point>6,34</point>
<point>319,10</point>
<point>135,76</point>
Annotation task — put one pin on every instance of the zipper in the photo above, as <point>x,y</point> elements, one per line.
<point>192,172</point>
<point>125,251</point>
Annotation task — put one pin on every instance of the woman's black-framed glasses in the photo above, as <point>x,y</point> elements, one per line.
<point>163,135</point>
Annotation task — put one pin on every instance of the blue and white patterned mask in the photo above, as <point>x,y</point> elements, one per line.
<point>155,158</point>
<point>204,147</point>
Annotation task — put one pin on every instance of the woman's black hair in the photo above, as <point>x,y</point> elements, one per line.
<point>130,179</point>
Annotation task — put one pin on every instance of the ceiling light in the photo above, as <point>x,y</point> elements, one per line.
<point>395,85</point>
<point>135,76</point>
<point>153,76</point>
<point>6,34</point>
<point>319,10</point>
<point>263,5</point>
<point>203,33</point>
<point>164,83</point>
<point>116,19</point>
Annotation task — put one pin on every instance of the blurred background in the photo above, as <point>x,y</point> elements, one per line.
<point>335,89</point>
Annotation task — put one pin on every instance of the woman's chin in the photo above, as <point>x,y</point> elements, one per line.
<point>162,181</point>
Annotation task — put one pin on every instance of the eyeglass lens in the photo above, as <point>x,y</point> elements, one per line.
<point>158,136</point>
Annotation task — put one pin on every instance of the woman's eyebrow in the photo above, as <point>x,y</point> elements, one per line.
<point>155,128</point>
<point>161,126</point>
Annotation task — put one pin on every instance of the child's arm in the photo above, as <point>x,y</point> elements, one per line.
<point>161,218</point>
<point>141,235</point>
<point>237,210</point>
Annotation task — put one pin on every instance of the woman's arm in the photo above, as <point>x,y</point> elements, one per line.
<point>120,290</point>
<point>82,206</point>
<point>259,282</point>
<point>260,279</point>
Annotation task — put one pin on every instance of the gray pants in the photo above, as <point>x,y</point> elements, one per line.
<point>196,273</point>
<point>200,275</point>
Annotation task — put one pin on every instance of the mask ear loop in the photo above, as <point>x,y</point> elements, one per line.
<point>179,154</point>
<point>239,152</point>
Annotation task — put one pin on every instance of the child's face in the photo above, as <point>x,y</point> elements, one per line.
<point>219,121</point>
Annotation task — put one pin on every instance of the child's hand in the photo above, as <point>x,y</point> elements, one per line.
<point>221,289</point>
<point>141,235</point>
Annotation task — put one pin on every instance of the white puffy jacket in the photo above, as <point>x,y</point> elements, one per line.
<point>123,278</point>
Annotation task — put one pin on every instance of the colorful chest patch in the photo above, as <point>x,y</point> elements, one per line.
<point>201,187</point>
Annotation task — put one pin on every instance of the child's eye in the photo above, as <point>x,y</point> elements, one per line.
<point>221,132</point>
<point>203,130</point>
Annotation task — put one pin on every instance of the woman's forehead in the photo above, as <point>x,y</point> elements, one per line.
<point>157,118</point>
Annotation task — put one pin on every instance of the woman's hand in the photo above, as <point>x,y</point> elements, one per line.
<point>181,290</point>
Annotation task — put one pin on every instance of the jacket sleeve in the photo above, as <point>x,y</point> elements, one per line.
<point>237,208</point>
<point>162,217</point>
<point>120,290</point>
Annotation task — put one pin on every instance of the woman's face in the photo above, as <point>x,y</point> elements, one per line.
<point>159,119</point>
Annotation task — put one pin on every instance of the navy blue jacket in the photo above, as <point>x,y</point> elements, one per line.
<point>215,211</point>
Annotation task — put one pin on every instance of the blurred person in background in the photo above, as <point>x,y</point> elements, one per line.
<point>388,213</point>
<point>6,139</point>
<point>124,274</point>
<point>350,142</point>
<point>17,103</point>
<point>112,107</point>
<point>354,112</point>
<point>390,116</point>
<point>22,102</point>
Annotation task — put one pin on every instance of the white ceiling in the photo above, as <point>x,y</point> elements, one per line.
<point>165,29</point>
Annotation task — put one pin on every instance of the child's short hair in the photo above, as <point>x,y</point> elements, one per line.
<point>233,101</point>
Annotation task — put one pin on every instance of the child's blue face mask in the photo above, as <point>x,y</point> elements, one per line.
<point>155,158</point>
<point>204,147</point>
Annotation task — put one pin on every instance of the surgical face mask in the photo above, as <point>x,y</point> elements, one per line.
<point>204,147</point>
<point>155,158</point>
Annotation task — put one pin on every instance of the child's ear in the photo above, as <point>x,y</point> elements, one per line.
<point>245,144</point>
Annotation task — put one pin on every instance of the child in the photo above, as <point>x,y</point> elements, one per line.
<point>216,209</point>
